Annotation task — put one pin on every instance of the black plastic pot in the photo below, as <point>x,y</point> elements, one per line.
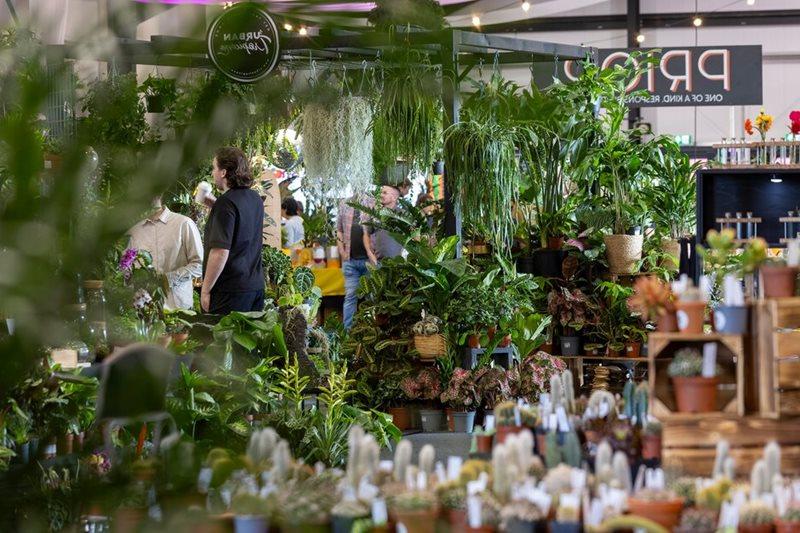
<point>547,263</point>
<point>155,103</point>
<point>570,345</point>
<point>524,526</point>
<point>564,527</point>
<point>525,264</point>
<point>343,524</point>
<point>730,319</point>
<point>635,230</point>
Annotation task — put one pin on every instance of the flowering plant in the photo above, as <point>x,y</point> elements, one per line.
<point>99,463</point>
<point>763,124</point>
<point>532,376</point>
<point>794,122</point>
<point>462,391</point>
<point>493,386</point>
<point>426,385</point>
<point>748,126</point>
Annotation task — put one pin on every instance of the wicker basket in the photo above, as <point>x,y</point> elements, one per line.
<point>430,346</point>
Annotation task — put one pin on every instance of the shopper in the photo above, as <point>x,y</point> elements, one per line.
<point>295,232</point>
<point>350,241</point>
<point>381,245</point>
<point>234,278</point>
<point>174,243</point>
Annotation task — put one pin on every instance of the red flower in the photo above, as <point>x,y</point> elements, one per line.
<point>794,116</point>
<point>748,126</point>
<point>795,127</point>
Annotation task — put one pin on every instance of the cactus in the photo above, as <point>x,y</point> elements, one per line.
<point>772,463</point>
<point>261,445</point>
<point>504,414</point>
<point>354,437</point>
<point>622,471</point>
<point>712,496</point>
<point>368,457</point>
<point>558,480</point>
<point>524,445</point>
<point>756,514</point>
<point>522,510</point>
<point>528,416</point>
<point>758,478</point>
<point>402,458</point>
<point>792,515</point>
<point>427,457</point>
<point>641,403</point>
<point>627,397</point>
<point>552,453</point>
<point>556,390</point>
<point>630,522</point>
<point>281,461</point>
<point>501,484</point>
<point>723,449</point>
<point>567,514</point>
<point>599,397</point>
<point>686,488</point>
<point>568,384</point>
<point>604,455</point>
<point>571,452</point>
<point>698,521</point>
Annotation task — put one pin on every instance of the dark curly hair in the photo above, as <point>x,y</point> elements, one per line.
<point>237,169</point>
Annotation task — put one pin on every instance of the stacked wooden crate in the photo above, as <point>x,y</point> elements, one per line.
<point>777,324</point>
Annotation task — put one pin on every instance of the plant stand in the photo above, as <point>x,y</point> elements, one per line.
<point>501,356</point>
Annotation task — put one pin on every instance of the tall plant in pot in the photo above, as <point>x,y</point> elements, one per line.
<point>694,392</point>
<point>462,396</point>
<point>573,310</point>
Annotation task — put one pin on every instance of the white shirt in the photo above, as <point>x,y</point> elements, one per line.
<point>177,249</point>
<point>295,232</point>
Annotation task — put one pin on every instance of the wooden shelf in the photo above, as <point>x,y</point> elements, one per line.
<point>604,358</point>
<point>744,220</point>
<point>692,337</point>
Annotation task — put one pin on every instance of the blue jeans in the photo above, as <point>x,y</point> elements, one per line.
<point>353,271</point>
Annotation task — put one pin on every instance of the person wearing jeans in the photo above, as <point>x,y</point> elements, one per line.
<point>349,233</point>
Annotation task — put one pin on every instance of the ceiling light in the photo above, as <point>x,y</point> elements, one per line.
<point>751,2</point>
<point>303,31</point>
<point>476,21</point>
<point>288,27</point>
<point>526,6</point>
<point>697,22</point>
<point>640,38</point>
<point>776,180</point>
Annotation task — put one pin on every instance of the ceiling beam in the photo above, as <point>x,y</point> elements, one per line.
<point>779,17</point>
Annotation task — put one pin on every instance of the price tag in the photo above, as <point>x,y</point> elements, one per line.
<point>379,514</point>
<point>563,422</point>
<point>709,359</point>
<point>474,511</point>
<point>441,474</point>
<point>454,467</point>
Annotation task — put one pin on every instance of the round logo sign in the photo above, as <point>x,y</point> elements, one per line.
<point>243,42</point>
<point>683,320</point>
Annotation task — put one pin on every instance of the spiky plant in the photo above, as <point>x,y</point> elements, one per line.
<point>688,362</point>
<point>697,521</point>
<point>756,513</point>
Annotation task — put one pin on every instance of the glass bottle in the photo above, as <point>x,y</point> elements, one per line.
<point>96,315</point>
<point>739,225</point>
<point>79,332</point>
<point>723,152</point>
<point>747,160</point>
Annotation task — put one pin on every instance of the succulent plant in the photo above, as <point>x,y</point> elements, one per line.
<point>244,504</point>
<point>350,508</point>
<point>522,510</point>
<point>712,496</point>
<point>756,513</point>
<point>261,445</point>
<point>529,416</point>
<point>758,478</point>
<point>472,469</point>
<point>791,515</point>
<point>427,457</point>
<point>653,427</point>
<point>429,325</point>
<point>557,390</point>
<point>402,458</point>
<point>687,363</point>
<point>558,480</point>
<point>772,464</point>
<point>504,413</point>
<point>453,497</point>
<point>414,501</point>
<point>622,472</point>
<point>698,521</point>
<point>501,479</point>
<point>723,451</point>
<point>599,397</point>
<point>686,488</point>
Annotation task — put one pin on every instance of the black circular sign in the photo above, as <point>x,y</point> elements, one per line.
<point>243,42</point>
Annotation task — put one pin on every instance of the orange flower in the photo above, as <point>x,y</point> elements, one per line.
<point>748,126</point>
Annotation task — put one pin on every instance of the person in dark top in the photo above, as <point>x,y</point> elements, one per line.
<point>233,277</point>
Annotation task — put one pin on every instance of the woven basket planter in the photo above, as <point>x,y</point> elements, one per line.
<point>623,252</point>
<point>430,346</point>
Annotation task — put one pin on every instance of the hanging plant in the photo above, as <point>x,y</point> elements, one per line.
<point>337,144</point>
<point>427,14</point>
<point>408,117</point>
<point>157,92</point>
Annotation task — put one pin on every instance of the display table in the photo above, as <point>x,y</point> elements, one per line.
<point>330,280</point>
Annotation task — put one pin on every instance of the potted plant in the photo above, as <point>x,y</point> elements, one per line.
<point>756,517</point>
<point>691,311</point>
<point>416,511</point>
<point>651,440</point>
<point>697,521</point>
<point>392,394</point>
<point>654,301</point>
<point>527,330</point>
<point>777,279</point>
<point>492,387</point>
<point>634,336</point>
<point>507,421</point>
<point>428,339</point>
<point>482,439</point>
<point>694,393</point>
<point>346,512</point>
<point>614,316</point>
<point>789,522</point>
<point>592,349</point>
<point>462,396</point>
<point>522,516</point>
<point>158,92</point>
<point>426,386</point>
<point>661,506</point>
<point>178,327</point>
<point>453,499</point>
<point>573,310</point>
<point>250,513</point>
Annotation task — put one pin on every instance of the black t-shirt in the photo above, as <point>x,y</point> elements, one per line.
<point>236,224</point>
<point>357,250</point>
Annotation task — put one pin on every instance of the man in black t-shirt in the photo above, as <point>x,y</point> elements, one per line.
<point>233,278</point>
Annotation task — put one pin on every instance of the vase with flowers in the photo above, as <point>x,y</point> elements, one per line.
<point>763,124</point>
<point>794,123</point>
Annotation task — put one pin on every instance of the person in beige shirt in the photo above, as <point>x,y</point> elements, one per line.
<point>177,249</point>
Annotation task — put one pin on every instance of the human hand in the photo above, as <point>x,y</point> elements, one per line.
<point>205,301</point>
<point>373,259</point>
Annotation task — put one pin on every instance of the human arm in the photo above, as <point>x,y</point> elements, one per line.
<point>192,248</point>
<point>373,258</point>
<point>217,257</point>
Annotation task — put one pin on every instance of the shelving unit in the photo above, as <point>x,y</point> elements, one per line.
<point>576,363</point>
<point>778,326</point>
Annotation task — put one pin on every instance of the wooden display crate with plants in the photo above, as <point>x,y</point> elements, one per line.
<point>778,365</point>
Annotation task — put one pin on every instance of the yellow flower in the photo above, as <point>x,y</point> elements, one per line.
<point>764,122</point>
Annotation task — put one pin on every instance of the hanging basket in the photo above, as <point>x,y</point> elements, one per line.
<point>430,346</point>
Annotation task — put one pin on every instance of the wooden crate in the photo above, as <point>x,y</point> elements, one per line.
<point>731,356</point>
<point>777,344</point>
<point>690,442</point>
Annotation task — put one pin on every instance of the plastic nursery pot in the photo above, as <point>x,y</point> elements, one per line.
<point>633,349</point>
<point>449,414</point>
<point>546,348</point>
<point>564,527</point>
<point>615,350</point>
<point>431,420</point>
<point>730,319</point>
<point>786,527</point>
<point>401,417</point>
<point>525,264</point>
<point>483,443</point>
<point>256,524</point>
<point>762,528</point>
<point>623,252</point>
<point>515,525</point>
<point>463,422</point>
<point>343,524</point>
<point>778,281</point>
<point>666,513</point>
<point>696,394</point>
<point>64,444</point>
<point>456,518</point>
<point>651,447</point>
<point>502,432</point>
<point>691,317</point>
<point>418,521</point>
<point>547,263</point>
<point>570,345</point>
<point>667,323</point>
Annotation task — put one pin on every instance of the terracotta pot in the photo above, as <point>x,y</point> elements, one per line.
<point>555,243</point>
<point>79,438</point>
<point>491,331</point>
<point>614,351</point>
<point>456,518</point>
<point>306,528</point>
<point>418,521</point>
<point>482,529</point>
<point>651,447</point>
<point>623,252</point>
<point>401,417</point>
<point>778,281</point>
<point>591,351</point>
<point>504,431</point>
<point>633,349</point>
<point>786,527</point>
<point>666,513</point>
<point>506,342</point>
<point>484,443</point>
<point>128,519</point>
<point>763,528</point>
<point>546,348</point>
<point>474,341</point>
<point>691,317</point>
<point>64,444</point>
<point>696,394</point>
<point>667,323</point>
<point>179,338</point>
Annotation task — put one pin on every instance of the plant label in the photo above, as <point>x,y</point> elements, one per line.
<point>379,513</point>
<point>454,467</point>
<point>709,359</point>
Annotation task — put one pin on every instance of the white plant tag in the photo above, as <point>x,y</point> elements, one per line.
<point>483,481</point>
<point>474,511</point>
<point>793,253</point>
<point>517,417</point>
<point>563,423</point>
<point>578,479</point>
<point>379,513</point>
<point>552,423</point>
<point>422,481</point>
<point>203,480</point>
<point>603,410</point>
<point>489,422</point>
<point>733,293</point>
<point>386,465</point>
<point>454,467</point>
<point>441,473</point>
<point>474,488</point>
<point>705,288</point>
<point>709,359</point>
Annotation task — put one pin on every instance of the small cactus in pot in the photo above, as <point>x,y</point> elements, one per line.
<point>756,517</point>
